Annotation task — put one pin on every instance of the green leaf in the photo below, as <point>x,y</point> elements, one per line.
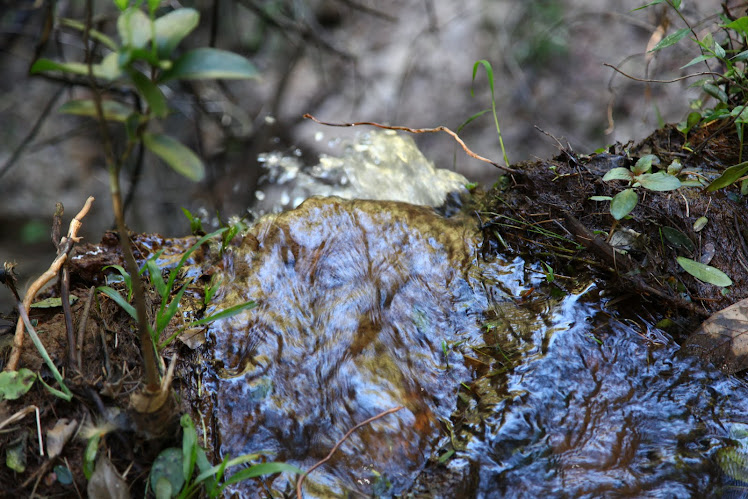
<point>152,94</point>
<point>704,273</point>
<point>189,446</point>
<point>53,302</point>
<point>715,92</point>
<point>262,469</point>
<point>108,70</point>
<point>171,29</point>
<point>121,4</point>
<point>154,272</point>
<point>89,455</point>
<point>623,203</point>
<point>600,198</point>
<point>15,384</point>
<point>168,466</point>
<point>176,155</point>
<point>15,456</point>
<point>699,224</point>
<point>697,60</point>
<point>471,119</point>
<point>119,300</point>
<point>677,239</point>
<point>224,314</point>
<point>644,164</point>
<point>650,4</point>
<point>92,33</point>
<point>740,25</point>
<point>210,63</point>
<point>134,28</point>
<point>165,316</point>
<point>618,173</point>
<point>659,181</point>
<point>113,110</point>
<point>671,39</point>
<point>728,177</point>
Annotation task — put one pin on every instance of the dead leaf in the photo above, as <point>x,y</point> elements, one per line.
<point>106,482</point>
<point>723,339</point>
<point>58,436</point>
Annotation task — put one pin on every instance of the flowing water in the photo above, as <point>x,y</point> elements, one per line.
<point>521,389</point>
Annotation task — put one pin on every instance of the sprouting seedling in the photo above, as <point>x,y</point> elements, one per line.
<point>640,175</point>
<point>489,72</point>
<point>170,305</point>
<point>143,60</point>
<point>181,472</point>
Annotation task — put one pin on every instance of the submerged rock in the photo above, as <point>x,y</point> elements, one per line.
<point>358,303</point>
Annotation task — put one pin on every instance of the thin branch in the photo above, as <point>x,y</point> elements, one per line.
<point>338,444</point>
<point>47,276</point>
<point>647,80</point>
<point>417,130</point>
<point>32,133</point>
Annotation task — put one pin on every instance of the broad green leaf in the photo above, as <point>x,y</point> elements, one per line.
<point>262,469</point>
<point>675,167</point>
<point>728,177</point>
<point>741,56</point>
<point>623,203</point>
<point>15,384</point>
<point>700,223</point>
<point>176,155</point>
<point>210,63</point>
<point>715,92</point>
<point>644,164</point>
<point>168,465</point>
<point>677,239</point>
<point>740,25</point>
<point>134,28</point>
<point>171,29</point>
<point>107,70</point>
<point>119,300</point>
<point>704,273</point>
<point>671,39</point>
<point>121,4</point>
<point>113,110</point>
<point>618,173</point>
<point>152,94</point>
<point>719,51</point>
<point>659,181</point>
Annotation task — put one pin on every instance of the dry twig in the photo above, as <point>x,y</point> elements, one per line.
<point>417,130</point>
<point>338,444</point>
<point>66,242</point>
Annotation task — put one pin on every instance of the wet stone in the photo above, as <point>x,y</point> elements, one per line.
<point>357,300</point>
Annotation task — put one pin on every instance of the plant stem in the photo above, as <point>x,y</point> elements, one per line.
<point>150,367</point>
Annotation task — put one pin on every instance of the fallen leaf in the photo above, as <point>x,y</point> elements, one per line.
<point>723,338</point>
<point>106,482</point>
<point>58,436</point>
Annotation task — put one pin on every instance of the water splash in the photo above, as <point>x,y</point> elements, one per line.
<point>377,165</point>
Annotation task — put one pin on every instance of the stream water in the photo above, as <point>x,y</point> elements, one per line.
<point>522,390</point>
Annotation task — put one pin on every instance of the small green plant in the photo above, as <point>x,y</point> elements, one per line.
<point>639,176</point>
<point>489,73</point>
<point>727,46</point>
<point>164,288</point>
<point>143,61</point>
<point>182,472</point>
<point>196,223</point>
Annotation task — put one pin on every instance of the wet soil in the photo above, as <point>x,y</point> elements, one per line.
<point>544,213</point>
